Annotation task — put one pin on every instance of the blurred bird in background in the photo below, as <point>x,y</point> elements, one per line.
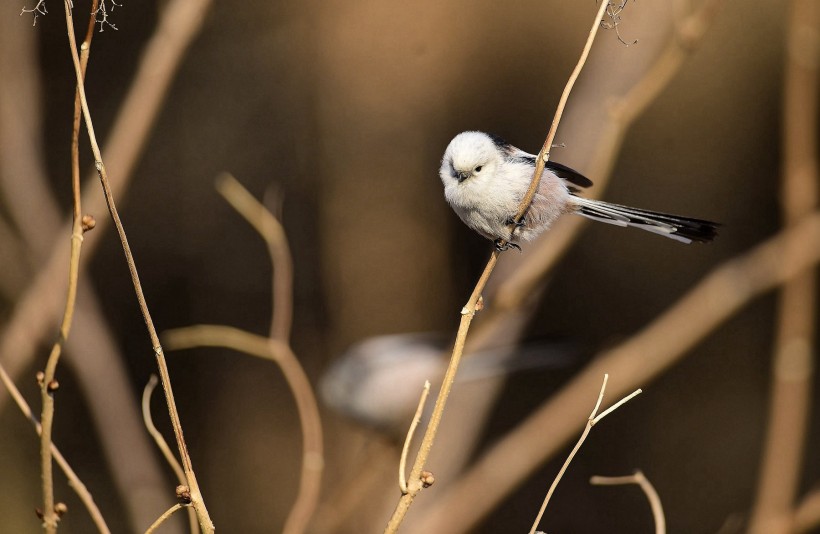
<point>378,381</point>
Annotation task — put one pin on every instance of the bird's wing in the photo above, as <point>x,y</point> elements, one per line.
<point>562,171</point>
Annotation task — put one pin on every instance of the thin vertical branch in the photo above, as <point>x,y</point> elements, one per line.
<point>48,384</point>
<point>196,495</point>
<point>793,361</point>
<point>159,439</point>
<point>73,480</point>
<point>648,490</point>
<point>544,153</point>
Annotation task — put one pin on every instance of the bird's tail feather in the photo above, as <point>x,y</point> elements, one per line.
<point>684,229</point>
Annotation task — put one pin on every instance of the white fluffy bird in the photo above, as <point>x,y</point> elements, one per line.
<point>485,178</point>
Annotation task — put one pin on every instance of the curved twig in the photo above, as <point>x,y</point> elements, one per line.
<point>409,439</point>
<point>161,519</point>
<point>271,230</point>
<point>274,235</point>
<point>648,490</point>
<point>280,353</point>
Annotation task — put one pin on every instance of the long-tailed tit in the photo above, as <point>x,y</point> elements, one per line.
<point>378,381</point>
<point>485,178</point>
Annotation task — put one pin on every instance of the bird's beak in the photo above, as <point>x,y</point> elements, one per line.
<point>462,175</point>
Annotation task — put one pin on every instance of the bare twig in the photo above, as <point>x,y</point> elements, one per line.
<point>280,353</point>
<point>36,11</point>
<point>648,490</point>
<point>415,484</point>
<point>409,439</point>
<point>792,375</point>
<point>165,515</point>
<point>197,500</point>
<point>73,480</point>
<point>162,444</point>
<point>591,421</point>
<point>48,384</point>
<point>647,354</point>
<point>274,235</point>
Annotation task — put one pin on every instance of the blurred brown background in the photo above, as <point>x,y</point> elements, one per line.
<point>346,108</point>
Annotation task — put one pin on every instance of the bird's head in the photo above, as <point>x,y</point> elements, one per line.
<point>470,156</point>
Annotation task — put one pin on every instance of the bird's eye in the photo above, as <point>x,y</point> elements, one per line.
<point>478,169</point>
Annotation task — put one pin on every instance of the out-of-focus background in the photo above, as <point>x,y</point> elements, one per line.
<point>339,113</point>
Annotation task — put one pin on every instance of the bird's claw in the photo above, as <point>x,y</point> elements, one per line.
<point>518,224</point>
<point>501,245</point>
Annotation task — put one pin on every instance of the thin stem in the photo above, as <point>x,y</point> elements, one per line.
<point>49,385</point>
<point>274,235</point>
<point>544,153</point>
<point>161,519</point>
<point>615,406</point>
<point>196,496</point>
<point>648,490</point>
<point>409,439</point>
<point>590,423</point>
<point>159,439</point>
<point>73,480</point>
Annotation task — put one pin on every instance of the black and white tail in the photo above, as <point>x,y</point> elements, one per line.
<point>683,229</point>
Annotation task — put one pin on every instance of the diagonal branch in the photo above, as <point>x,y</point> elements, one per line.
<point>196,496</point>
